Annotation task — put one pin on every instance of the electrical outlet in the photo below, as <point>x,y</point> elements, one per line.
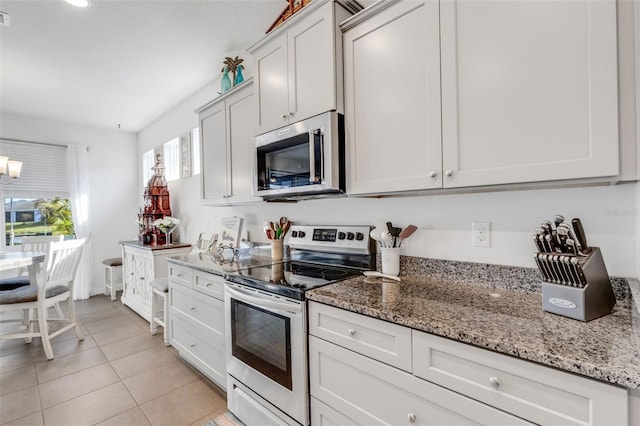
<point>481,234</point>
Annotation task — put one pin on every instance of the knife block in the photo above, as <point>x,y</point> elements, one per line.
<point>594,300</point>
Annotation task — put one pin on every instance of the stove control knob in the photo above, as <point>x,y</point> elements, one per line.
<point>301,234</point>
<point>359,236</point>
<point>341,235</point>
<point>350,235</point>
<point>294,234</point>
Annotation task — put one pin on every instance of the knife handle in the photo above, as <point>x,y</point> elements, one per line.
<point>580,235</point>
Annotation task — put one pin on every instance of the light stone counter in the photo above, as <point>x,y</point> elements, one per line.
<point>468,303</point>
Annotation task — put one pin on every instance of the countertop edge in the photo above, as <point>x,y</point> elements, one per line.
<point>583,368</point>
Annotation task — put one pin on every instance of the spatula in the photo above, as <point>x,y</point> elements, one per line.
<point>407,232</point>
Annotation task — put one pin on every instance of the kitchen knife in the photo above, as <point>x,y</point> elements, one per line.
<point>575,280</point>
<point>580,235</point>
<point>571,245</point>
<point>578,269</point>
<point>558,219</point>
<point>538,244</point>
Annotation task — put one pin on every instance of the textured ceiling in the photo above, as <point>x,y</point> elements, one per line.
<point>119,62</point>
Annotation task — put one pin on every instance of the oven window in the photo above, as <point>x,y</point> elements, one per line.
<point>262,340</point>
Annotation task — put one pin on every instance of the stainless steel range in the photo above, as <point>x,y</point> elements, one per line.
<point>266,321</point>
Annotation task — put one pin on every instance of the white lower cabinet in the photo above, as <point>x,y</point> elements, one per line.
<point>534,392</point>
<point>357,376</point>
<point>370,392</point>
<point>196,322</point>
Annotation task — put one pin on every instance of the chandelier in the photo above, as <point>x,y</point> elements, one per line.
<point>10,169</point>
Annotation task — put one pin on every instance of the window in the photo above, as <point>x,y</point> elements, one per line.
<point>148,161</point>
<point>172,159</point>
<point>37,202</point>
<point>195,148</point>
<point>36,216</point>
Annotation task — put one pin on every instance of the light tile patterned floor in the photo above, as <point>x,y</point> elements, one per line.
<point>119,375</point>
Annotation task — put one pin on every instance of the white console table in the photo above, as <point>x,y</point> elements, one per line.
<point>140,265</point>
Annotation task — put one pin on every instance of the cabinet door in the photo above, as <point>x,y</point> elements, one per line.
<point>529,90</point>
<point>369,392</point>
<point>311,60</point>
<point>213,155</point>
<point>241,130</point>
<point>392,100</point>
<point>272,88</point>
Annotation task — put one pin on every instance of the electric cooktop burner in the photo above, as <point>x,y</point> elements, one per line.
<point>319,255</point>
<point>291,278</point>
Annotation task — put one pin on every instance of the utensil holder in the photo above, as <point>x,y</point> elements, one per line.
<point>390,260</point>
<point>276,249</point>
<point>577,287</point>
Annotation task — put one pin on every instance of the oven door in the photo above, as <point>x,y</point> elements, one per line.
<point>303,158</point>
<point>266,348</point>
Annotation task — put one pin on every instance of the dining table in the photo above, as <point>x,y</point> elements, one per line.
<point>22,259</point>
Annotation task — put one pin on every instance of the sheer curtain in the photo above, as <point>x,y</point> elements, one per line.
<point>78,173</point>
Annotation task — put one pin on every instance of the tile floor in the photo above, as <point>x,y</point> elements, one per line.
<point>119,375</point>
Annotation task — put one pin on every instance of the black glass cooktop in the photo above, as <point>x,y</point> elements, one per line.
<point>291,278</point>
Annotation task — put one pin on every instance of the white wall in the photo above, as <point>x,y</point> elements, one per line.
<point>113,168</point>
<point>609,213</point>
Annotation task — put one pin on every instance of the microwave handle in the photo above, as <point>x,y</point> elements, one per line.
<point>312,156</point>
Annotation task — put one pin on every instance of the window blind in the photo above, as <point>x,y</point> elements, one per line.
<point>44,170</point>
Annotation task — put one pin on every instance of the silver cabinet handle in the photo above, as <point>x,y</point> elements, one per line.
<point>284,116</point>
<point>411,417</point>
<point>352,332</point>
<point>208,285</point>
<point>291,115</point>
<point>178,275</point>
<point>433,174</point>
<point>495,382</point>
<point>448,173</point>
<point>192,308</point>
<point>193,345</point>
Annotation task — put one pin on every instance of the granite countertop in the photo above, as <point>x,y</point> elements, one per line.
<point>213,264</point>
<point>503,320</point>
<point>135,243</point>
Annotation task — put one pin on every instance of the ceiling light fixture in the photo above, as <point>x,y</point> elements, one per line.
<point>78,3</point>
<point>9,168</point>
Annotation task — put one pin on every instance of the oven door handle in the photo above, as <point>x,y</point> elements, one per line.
<point>293,308</point>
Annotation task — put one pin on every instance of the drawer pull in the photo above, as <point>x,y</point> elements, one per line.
<point>352,332</point>
<point>193,346</point>
<point>495,382</point>
<point>412,417</point>
<point>208,284</point>
<point>179,275</point>
<point>192,308</point>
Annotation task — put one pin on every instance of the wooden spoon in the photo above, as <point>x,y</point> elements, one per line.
<point>407,232</point>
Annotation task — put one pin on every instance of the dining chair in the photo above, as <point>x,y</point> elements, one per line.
<point>55,282</point>
<point>28,243</point>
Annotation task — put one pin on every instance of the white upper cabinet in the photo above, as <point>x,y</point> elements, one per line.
<point>392,100</point>
<point>529,90</point>
<point>298,66</point>
<point>480,92</point>
<point>227,130</point>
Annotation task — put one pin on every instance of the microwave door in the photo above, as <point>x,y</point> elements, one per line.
<point>316,157</point>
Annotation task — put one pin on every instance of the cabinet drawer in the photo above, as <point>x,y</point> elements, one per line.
<point>369,392</point>
<point>534,392</point>
<point>323,415</point>
<point>209,284</point>
<point>195,306</point>
<point>201,347</point>
<point>180,274</point>
<point>386,342</point>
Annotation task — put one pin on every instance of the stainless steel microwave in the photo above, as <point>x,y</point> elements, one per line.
<point>302,160</point>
